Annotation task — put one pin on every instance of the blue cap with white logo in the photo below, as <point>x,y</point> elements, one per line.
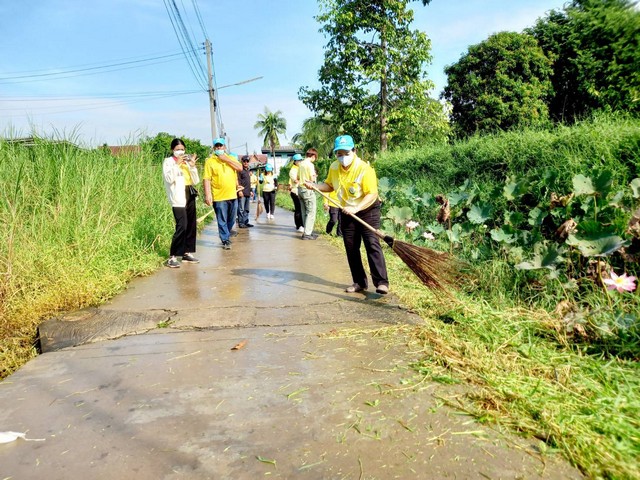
<point>297,157</point>
<point>219,141</point>
<point>268,167</point>
<point>344,142</point>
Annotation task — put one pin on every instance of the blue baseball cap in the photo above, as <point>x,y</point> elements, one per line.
<point>297,157</point>
<point>343,142</point>
<point>219,140</point>
<point>268,168</point>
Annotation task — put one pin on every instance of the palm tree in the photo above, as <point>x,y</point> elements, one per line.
<point>271,124</point>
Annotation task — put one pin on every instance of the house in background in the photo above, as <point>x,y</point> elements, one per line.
<point>283,154</point>
<point>123,150</point>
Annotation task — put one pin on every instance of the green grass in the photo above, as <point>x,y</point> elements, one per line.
<point>78,225</point>
<point>525,374</point>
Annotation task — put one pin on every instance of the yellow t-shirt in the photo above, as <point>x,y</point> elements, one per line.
<point>269,182</point>
<point>186,173</point>
<point>353,184</point>
<point>306,172</point>
<point>293,178</point>
<point>254,180</point>
<point>223,178</point>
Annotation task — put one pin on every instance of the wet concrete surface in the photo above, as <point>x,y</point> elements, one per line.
<point>308,395</point>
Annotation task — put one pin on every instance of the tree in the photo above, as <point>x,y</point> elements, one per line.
<point>373,72</point>
<point>271,124</point>
<point>501,83</point>
<point>595,45</point>
<point>317,132</point>
<point>159,147</point>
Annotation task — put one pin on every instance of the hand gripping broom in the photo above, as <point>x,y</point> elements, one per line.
<point>436,270</point>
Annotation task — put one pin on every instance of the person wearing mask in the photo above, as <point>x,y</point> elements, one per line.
<point>220,182</point>
<point>356,187</point>
<point>180,178</point>
<point>269,187</point>
<point>293,190</point>
<point>244,194</point>
<point>307,173</point>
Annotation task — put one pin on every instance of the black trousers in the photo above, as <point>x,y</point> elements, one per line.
<point>269,199</point>
<point>353,235</point>
<point>297,212</point>
<point>334,219</point>
<point>184,237</point>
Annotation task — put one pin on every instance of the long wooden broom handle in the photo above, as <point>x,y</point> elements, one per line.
<point>379,233</point>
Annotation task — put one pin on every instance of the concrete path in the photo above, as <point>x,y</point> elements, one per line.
<point>309,393</point>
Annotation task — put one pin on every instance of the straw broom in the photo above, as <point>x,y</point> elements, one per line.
<point>436,270</point>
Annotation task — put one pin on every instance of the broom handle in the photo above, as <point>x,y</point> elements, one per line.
<point>202,217</point>
<point>355,217</point>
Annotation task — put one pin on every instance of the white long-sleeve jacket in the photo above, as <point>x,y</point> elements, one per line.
<point>174,181</point>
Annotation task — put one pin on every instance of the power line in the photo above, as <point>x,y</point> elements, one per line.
<point>186,43</point>
<point>80,72</point>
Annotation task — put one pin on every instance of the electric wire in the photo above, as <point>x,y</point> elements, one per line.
<point>195,65</point>
<point>21,75</point>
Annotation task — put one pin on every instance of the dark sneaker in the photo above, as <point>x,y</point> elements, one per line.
<point>172,263</point>
<point>226,245</point>
<point>382,289</point>
<point>187,257</point>
<point>242,226</point>
<point>355,288</point>
<point>313,236</point>
<point>248,225</point>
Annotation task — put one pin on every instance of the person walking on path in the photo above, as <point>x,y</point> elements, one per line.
<point>269,188</point>
<point>244,194</point>
<point>356,186</point>
<point>334,214</point>
<point>220,182</point>
<point>254,187</point>
<point>307,173</point>
<point>293,191</point>
<point>180,177</point>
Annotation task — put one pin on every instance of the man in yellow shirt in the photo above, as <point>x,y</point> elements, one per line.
<point>356,186</point>
<point>220,181</point>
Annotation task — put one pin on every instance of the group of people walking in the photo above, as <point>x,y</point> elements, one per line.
<point>350,190</point>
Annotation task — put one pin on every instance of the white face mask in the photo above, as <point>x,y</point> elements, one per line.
<point>177,153</point>
<point>219,152</point>
<point>346,160</point>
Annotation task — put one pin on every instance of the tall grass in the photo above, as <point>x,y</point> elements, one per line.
<point>606,141</point>
<point>77,225</point>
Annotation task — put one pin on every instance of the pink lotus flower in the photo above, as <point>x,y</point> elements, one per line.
<point>621,283</point>
<point>428,236</point>
<point>411,225</point>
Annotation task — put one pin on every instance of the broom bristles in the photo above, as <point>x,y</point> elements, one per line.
<point>436,270</point>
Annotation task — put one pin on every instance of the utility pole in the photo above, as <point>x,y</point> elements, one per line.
<point>212,94</point>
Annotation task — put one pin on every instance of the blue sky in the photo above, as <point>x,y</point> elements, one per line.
<point>53,76</point>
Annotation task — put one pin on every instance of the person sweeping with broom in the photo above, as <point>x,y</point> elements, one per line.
<point>356,186</point>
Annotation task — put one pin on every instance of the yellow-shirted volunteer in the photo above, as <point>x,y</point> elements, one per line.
<point>220,188</point>
<point>356,186</point>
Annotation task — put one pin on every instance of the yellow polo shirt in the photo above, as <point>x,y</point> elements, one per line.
<point>353,184</point>
<point>306,172</point>
<point>223,178</point>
